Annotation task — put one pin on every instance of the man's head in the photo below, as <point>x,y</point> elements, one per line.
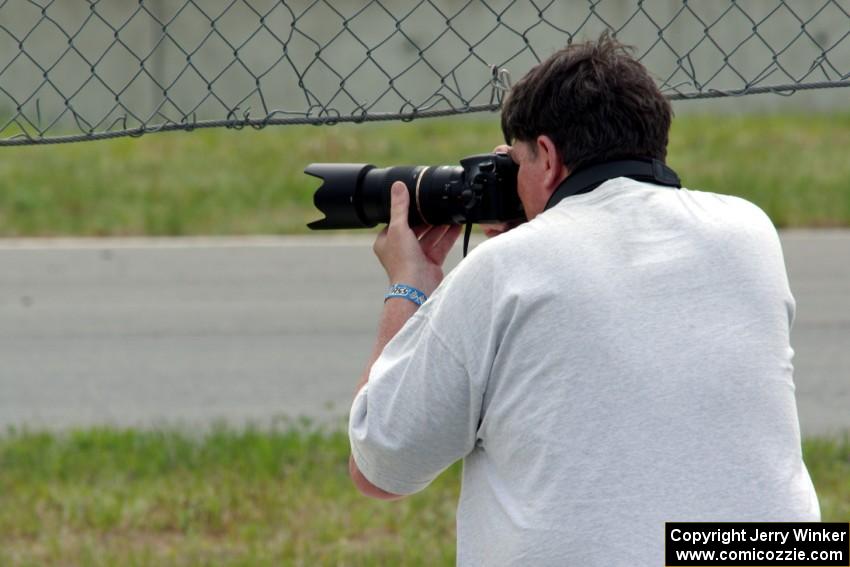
<point>588,103</point>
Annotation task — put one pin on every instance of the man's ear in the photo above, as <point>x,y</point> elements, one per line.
<point>555,170</point>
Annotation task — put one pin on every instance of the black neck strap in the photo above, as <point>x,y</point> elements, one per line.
<point>587,179</point>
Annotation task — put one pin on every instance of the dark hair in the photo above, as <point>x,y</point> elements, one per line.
<point>595,101</point>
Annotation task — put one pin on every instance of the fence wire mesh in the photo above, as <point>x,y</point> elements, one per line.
<point>75,70</point>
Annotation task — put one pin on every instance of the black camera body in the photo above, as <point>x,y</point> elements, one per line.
<point>482,189</point>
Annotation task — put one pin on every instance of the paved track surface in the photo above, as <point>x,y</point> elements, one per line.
<point>187,331</point>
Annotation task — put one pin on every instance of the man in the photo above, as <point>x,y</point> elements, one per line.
<point>620,360</point>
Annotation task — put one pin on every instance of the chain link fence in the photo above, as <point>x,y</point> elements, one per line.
<point>75,70</point>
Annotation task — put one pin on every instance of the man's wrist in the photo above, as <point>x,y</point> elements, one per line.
<point>408,292</point>
<point>423,280</point>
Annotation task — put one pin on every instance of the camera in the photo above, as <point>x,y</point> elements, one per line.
<point>482,189</point>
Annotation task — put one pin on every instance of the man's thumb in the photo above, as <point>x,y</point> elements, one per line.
<point>399,203</point>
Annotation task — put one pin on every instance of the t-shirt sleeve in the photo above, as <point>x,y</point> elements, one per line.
<point>417,414</point>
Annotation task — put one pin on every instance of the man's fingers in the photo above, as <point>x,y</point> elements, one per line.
<point>432,236</point>
<point>502,149</point>
<point>399,203</point>
<point>421,230</point>
<point>443,246</point>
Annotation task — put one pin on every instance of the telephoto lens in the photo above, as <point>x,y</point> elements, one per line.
<point>482,189</point>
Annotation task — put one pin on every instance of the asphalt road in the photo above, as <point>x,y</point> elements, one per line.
<point>188,331</point>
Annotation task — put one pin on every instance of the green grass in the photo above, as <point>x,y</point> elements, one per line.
<point>251,182</point>
<point>249,497</point>
<point>110,497</point>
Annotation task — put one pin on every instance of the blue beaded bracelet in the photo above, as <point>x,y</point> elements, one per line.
<point>408,292</point>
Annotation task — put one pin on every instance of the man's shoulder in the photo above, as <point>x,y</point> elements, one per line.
<point>508,247</point>
<point>491,261</point>
<point>739,206</point>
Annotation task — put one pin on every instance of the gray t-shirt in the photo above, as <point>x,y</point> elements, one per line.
<point>620,361</point>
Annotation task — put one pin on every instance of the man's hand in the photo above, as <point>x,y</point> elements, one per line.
<point>491,230</point>
<point>413,256</point>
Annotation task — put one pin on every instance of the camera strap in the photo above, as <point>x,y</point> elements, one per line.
<point>467,232</point>
<point>587,179</point>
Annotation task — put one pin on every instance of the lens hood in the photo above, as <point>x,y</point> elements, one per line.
<point>338,197</point>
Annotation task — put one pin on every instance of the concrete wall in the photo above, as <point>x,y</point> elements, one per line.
<point>352,56</point>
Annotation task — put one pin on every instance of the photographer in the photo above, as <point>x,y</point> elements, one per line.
<point>620,360</point>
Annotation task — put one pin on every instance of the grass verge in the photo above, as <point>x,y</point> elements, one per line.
<point>231,498</point>
<point>251,182</point>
